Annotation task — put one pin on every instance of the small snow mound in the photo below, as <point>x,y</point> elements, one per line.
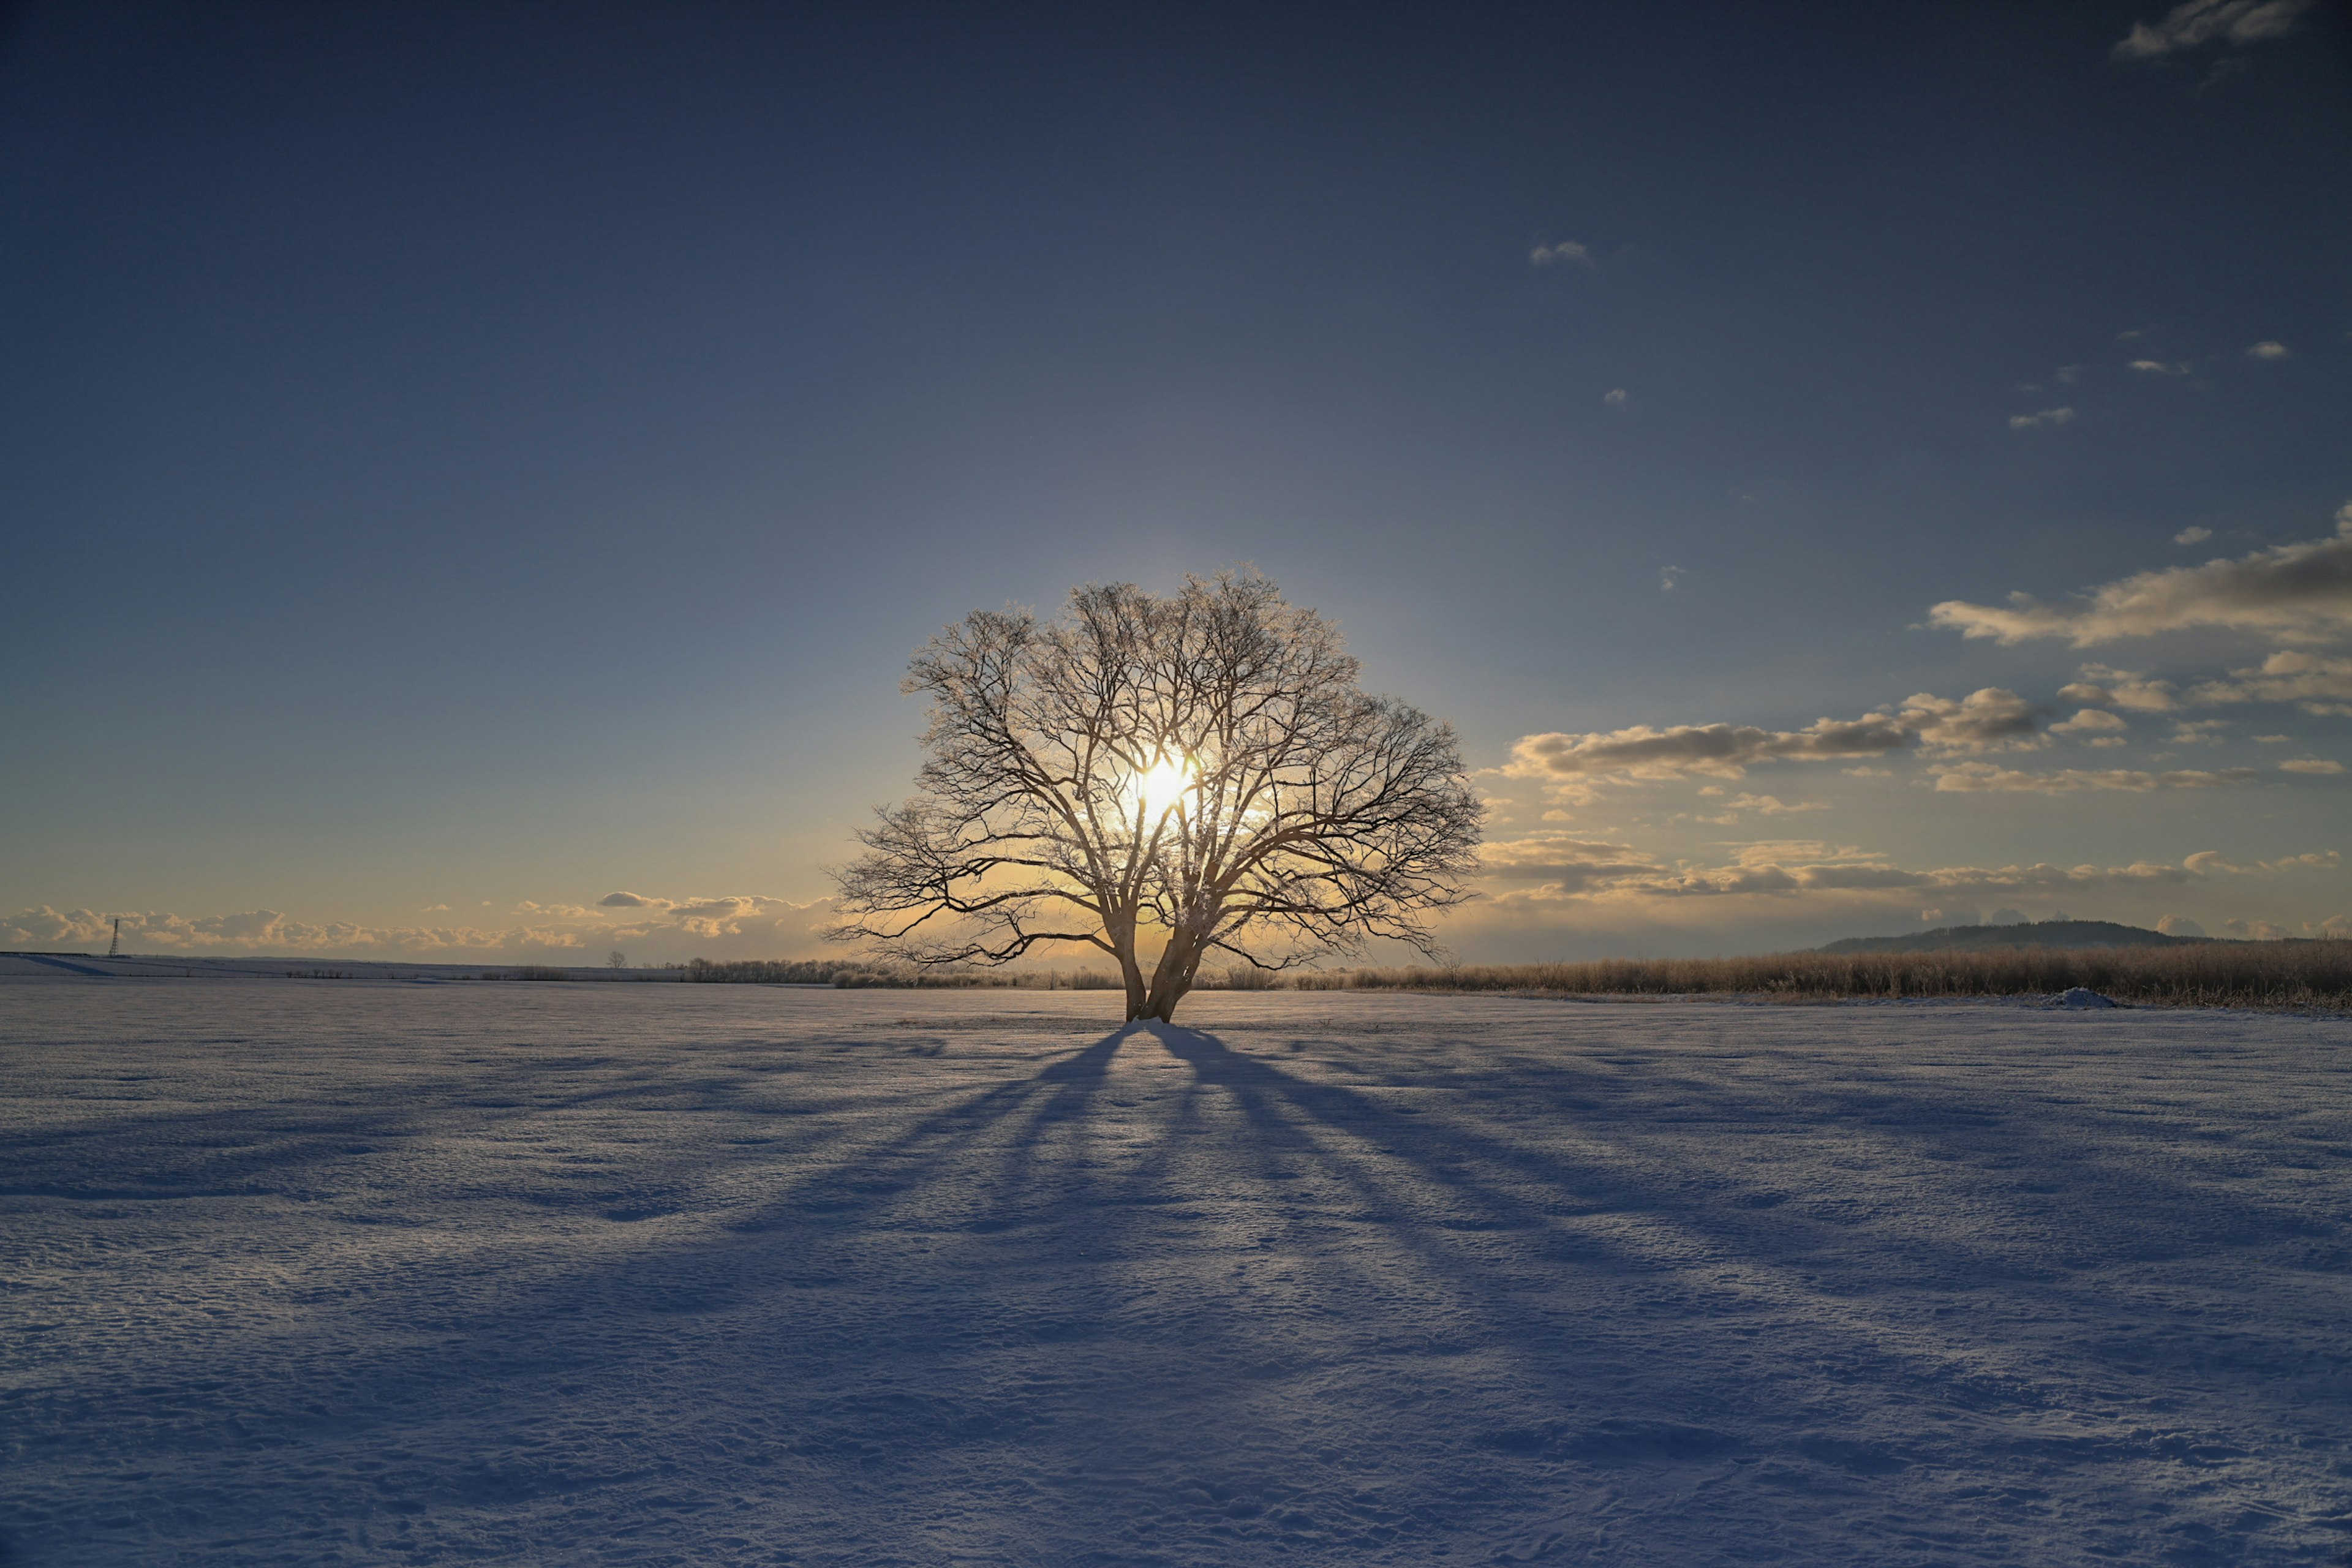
<point>2082,996</point>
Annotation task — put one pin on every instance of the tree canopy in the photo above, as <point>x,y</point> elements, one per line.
<point>1201,768</point>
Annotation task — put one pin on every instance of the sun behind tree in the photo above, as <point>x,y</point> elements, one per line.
<point>1199,770</point>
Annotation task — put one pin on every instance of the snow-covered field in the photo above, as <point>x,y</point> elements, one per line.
<point>318,1272</point>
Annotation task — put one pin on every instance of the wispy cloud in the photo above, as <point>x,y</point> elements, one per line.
<point>2224,24</point>
<point>2158,367</point>
<point>2100,686</point>
<point>1566,250</point>
<point>2192,535</point>
<point>1990,719</point>
<point>2321,684</point>
<point>1986,777</point>
<point>1720,750</point>
<point>2269,350</point>
<point>2310,765</point>
<point>1558,868</point>
<point>743,926</point>
<point>2047,417</point>
<point>1666,576</point>
<point>1617,397</point>
<point>2293,593</point>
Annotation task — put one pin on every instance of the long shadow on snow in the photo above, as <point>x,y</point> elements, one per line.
<point>1044,1237</point>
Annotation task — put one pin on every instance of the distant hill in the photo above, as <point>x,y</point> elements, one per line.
<point>1980,939</point>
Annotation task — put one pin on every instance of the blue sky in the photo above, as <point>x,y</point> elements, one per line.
<point>463,463</point>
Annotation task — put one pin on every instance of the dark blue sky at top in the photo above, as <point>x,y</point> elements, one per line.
<point>451,451</point>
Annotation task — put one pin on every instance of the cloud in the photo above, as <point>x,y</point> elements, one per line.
<point>630,901</point>
<point>2180,925</point>
<point>2229,24</point>
<point>1617,397</point>
<point>2292,593</point>
<point>1566,250</point>
<point>1666,575</point>
<point>1770,805</point>
<point>1718,751</point>
<point>1568,864</point>
<point>2036,421</point>
<point>2269,349</point>
<point>1990,719</point>
<point>2320,685</point>
<point>1986,777</point>
<point>2069,374</point>
<point>2099,685</point>
<point>2192,536</point>
<point>1596,872</point>
<point>749,927</point>
<point>2158,367</point>
<point>2090,721</point>
<point>2310,765</point>
<point>2196,733</point>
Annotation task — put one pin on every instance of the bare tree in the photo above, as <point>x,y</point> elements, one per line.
<point>1201,768</point>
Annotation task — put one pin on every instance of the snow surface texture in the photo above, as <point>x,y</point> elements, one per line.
<point>319,1272</point>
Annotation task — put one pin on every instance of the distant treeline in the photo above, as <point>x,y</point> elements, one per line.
<point>2202,975</point>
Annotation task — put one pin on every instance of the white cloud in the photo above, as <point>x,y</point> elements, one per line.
<point>2272,740</point>
<point>2178,925</point>
<point>1566,250</point>
<point>2100,685</point>
<point>2090,721</point>
<point>747,927</point>
<point>1990,719</point>
<point>1719,751</point>
<point>2036,421</point>
<point>1666,575</point>
<point>1986,777</point>
<point>2319,684</point>
<point>2311,765</point>
<point>2192,536</point>
<point>2269,349</point>
<point>2229,24</point>
<point>2196,733</point>
<point>2158,367</point>
<point>1617,397</point>
<point>2292,593</point>
<point>1761,804</point>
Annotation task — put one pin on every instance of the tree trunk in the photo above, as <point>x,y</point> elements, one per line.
<point>1173,977</point>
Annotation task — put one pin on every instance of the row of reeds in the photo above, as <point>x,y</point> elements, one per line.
<point>2309,974</point>
<point>2203,975</point>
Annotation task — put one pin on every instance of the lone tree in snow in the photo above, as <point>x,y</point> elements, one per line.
<point>1200,770</point>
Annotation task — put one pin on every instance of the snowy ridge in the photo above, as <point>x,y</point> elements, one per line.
<point>397,1273</point>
